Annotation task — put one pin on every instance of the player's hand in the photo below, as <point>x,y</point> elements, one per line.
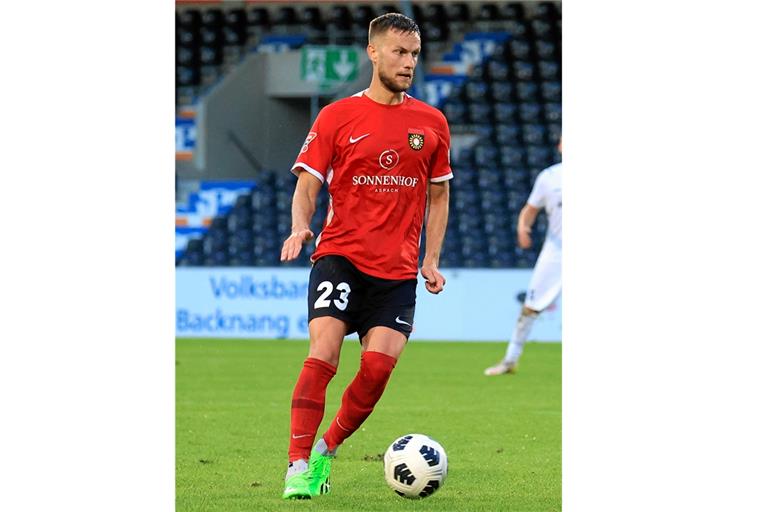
<point>524,238</point>
<point>434,279</point>
<point>292,244</point>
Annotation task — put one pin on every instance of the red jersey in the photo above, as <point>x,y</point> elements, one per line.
<point>377,160</point>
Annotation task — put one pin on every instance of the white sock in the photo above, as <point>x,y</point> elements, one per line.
<point>523,329</point>
<point>322,448</point>
<point>294,467</point>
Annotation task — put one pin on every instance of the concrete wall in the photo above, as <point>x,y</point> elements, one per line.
<point>257,117</point>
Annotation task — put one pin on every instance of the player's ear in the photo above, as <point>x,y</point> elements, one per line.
<point>371,50</point>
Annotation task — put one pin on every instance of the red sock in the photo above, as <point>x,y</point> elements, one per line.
<point>308,406</point>
<point>360,397</point>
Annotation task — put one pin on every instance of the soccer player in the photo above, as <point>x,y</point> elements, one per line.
<point>385,157</point>
<point>546,281</point>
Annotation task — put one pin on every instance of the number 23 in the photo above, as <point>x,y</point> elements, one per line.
<point>327,287</point>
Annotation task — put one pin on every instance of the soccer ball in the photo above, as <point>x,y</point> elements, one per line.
<point>415,466</point>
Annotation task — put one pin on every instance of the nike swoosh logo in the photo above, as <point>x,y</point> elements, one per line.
<point>397,319</point>
<point>352,141</point>
<point>299,437</point>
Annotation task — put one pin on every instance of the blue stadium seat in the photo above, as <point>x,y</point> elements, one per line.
<point>546,49</point>
<point>498,70</point>
<point>477,91</point>
<point>512,156</point>
<point>523,70</point>
<point>553,112</point>
<point>539,157</point>
<point>455,112</point>
<point>529,112</point>
<point>504,113</point>
<point>549,70</point>
<point>512,11</point>
<point>486,155</point>
<point>554,131</point>
<point>542,28</point>
<point>534,134</point>
<point>527,91</point>
<point>517,28</point>
<point>489,178</point>
<point>507,134</point>
<point>551,90</point>
<point>519,49</point>
<point>484,131</point>
<point>501,92</point>
<point>515,178</point>
<point>479,112</point>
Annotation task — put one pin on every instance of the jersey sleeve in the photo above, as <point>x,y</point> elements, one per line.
<point>441,160</point>
<point>539,193</point>
<point>316,153</point>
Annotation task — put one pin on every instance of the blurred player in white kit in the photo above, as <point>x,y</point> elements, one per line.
<point>546,282</point>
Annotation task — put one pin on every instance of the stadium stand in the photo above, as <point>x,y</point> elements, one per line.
<point>509,103</point>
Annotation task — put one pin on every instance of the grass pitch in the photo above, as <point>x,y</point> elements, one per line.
<point>502,434</point>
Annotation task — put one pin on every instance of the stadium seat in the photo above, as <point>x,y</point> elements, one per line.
<point>527,91</point>
<point>519,49</point>
<point>285,20</point>
<point>554,131</point>
<point>498,70</point>
<point>549,70</point>
<point>553,112</point>
<point>477,90</point>
<point>529,112</point>
<point>512,156</point>
<point>488,12</point>
<point>538,157</point>
<point>489,178</point>
<point>523,70</point>
<point>534,134</point>
<point>542,28</point>
<point>212,18</point>
<point>515,178</point>
<point>545,49</point>
<point>501,92</point>
<point>551,90</point>
<point>486,155</point>
<point>190,19</point>
<point>455,112</point>
<point>518,29</point>
<point>484,131</point>
<point>545,10</point>
<point>507,134</point>
<point>512,11</point>
<point>479,112</point>
<point>504,113</point>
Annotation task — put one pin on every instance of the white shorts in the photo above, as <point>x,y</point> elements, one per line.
<point>546,282</point>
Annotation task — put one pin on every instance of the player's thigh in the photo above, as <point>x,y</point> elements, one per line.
<point>335,290</point>
<point>326,334</point>
<point>546,280</point>
<point>385,340</point>
<point>390,304</point>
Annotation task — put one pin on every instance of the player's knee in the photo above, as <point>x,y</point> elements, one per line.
<point>324,353</point>
<point>529,311</point>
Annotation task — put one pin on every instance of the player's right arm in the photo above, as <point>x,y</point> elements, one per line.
<point>524,224</point>
<point>310,167</point>
<point>302,209</point>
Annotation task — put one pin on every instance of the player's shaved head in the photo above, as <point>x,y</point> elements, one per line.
<point>394,21</point>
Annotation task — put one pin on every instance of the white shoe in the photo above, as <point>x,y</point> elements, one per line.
<point>501,369</point>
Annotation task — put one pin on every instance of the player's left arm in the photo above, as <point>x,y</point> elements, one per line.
<point>437,220</point>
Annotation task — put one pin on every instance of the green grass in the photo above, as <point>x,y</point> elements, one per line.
<point>502,434</point>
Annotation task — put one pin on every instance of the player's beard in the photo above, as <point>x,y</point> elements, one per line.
<point>391,84</point>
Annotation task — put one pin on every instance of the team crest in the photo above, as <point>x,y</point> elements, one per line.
<point>416,139</point>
